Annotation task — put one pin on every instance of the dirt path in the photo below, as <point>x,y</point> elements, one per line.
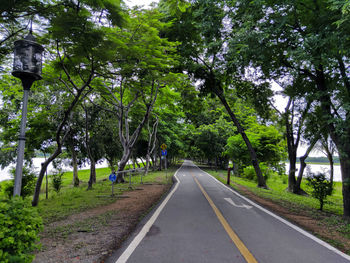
<point>91,235</point>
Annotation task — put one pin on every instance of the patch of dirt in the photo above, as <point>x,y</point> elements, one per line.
<point>303,219</point>
<point>92,235</point>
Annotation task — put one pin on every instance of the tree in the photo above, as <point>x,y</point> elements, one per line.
<point>301,39</point>
<point>321,187</point>
<point>267,141</point>
<point>78,42</point>
<point>141,69</point>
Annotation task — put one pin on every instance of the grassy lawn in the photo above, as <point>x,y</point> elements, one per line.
<point>71,200</point>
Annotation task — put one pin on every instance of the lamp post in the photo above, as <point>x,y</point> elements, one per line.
<point>27,67</point>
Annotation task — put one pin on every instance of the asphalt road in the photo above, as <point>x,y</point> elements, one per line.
<point>201,220</point>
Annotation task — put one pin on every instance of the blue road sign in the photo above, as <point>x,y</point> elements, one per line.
<point>112,177</point>
<point>164,152</point>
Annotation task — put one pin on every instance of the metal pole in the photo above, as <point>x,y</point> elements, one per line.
<point>21,144</point>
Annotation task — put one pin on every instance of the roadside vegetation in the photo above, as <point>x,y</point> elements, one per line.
<point>70,200</point>
<point>118,83</point>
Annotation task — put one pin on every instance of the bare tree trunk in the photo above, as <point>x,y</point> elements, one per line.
<point>152,139</point>
<point>123,162</point>
<point>297,189</point>
<point>39,181</point>
<point>75,167</point>
<point>92,178</point>
<point>331,164</point>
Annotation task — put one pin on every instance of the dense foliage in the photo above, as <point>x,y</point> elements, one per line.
<point>198,76</point>
<point>20,225</point>
<point>321,187</point>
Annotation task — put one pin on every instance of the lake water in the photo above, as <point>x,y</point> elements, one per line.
<point>5,175</point>
<point>320,168</point>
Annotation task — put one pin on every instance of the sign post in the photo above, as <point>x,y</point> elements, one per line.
<point>112,178</point>
<point>164,154</point>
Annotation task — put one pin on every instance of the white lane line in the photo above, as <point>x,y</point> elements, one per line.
<point>301,231</point>
<point>136,241</point>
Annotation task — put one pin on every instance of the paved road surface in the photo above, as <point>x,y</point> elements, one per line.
<point>202,220</point>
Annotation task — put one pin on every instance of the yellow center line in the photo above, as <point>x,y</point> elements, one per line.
<point>239,244</point>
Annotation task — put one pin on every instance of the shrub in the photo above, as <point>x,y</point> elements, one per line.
<point>20,225</point>
<point>249,172</point>
<point>321,186</point>
<point>28,182</point>
<point>57,180</point>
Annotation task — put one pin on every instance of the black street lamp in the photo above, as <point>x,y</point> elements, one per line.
<point>26,66</point>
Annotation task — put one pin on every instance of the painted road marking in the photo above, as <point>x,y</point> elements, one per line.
<point>137,240</point>
<point>239,244</point>
<point>300,230</point>
<point>240,206</point>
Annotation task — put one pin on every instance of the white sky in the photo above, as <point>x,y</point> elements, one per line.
<point>144,3</point>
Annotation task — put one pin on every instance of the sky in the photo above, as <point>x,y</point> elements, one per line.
<point>145,3</point>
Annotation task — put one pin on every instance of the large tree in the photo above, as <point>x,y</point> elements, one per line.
<point>139,71</point>
<point>76,41</point>
<point>301,39</point>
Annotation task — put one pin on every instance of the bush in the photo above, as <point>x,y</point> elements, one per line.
<point>28,182</point>
<point>321,186</point>
<point>57,180</point>
<point>249,172</point>
<point>20,225</point>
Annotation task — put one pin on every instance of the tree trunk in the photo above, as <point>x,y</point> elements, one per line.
<point>92,178</point>
<point>341,139</point>
<point>297,189</point>
<point>123,162</point>
<point>39,181</point>
<point>253,156</point>
<point>345,171</point>
<point>331,164</point>
<point>147,163</point>
<point>75,167</point>
<point>292,170</point>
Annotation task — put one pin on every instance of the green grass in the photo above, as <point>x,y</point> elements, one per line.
<point>71,200</point>
<point>277,193</point>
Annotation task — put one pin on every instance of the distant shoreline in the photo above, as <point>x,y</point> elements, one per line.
<point>316,163</point>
